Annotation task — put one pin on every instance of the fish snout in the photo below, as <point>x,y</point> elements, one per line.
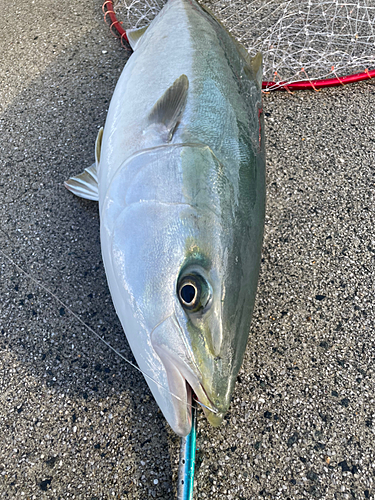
<point>184,377</point>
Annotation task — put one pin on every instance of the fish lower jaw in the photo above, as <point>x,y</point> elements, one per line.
<point>196,390</point>
<point>183,383</point>
<point>214,417</point>
<point>212,413</point>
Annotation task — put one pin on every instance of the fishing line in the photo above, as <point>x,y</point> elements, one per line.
<point>80,320</point>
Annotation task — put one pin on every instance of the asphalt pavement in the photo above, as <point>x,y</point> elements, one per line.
<point>75,420</point>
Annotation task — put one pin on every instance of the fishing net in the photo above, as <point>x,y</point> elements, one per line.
<point>301,40</point>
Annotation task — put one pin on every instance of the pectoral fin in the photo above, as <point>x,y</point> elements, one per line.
<point>257,67</point>
<point>167,111</point>
<point>98,146</point>
<point>254,67</point>
<point>85,185</point>
<point>135,35</point>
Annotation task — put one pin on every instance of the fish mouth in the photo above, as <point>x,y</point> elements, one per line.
<point>184,385</point>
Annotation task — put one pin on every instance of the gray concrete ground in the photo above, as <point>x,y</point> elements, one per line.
<point>75,420</point>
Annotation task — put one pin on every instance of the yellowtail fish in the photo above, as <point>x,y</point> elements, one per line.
<point>180,180</point>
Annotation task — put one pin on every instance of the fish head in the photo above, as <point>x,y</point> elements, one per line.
<point>183,274</point>
<point>205,337</point>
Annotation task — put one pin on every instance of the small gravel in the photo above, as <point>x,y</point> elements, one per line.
<point>75,420</point>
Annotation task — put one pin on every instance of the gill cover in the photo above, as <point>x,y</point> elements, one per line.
<point>164,242</point>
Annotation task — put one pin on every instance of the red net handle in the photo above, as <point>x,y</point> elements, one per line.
<point>319,84</point>
<point>117,30</point>
<point>115,23</point>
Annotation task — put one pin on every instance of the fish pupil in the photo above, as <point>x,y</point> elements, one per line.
<point>188,293</point>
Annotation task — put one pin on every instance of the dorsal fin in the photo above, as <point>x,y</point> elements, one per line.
<point>135,35</point>
<point>168,110</point>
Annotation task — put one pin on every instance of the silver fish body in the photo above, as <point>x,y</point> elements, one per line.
<point>181,189</point>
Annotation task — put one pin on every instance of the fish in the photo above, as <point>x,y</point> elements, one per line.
<point>179,175</point>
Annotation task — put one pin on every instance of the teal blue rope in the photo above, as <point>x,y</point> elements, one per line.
<point>187,460</point>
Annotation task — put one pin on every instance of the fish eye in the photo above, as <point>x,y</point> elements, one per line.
<point>188,294</point>
<point>193,292</point>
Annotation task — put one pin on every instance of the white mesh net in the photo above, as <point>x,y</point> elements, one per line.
<point>299,39</point>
